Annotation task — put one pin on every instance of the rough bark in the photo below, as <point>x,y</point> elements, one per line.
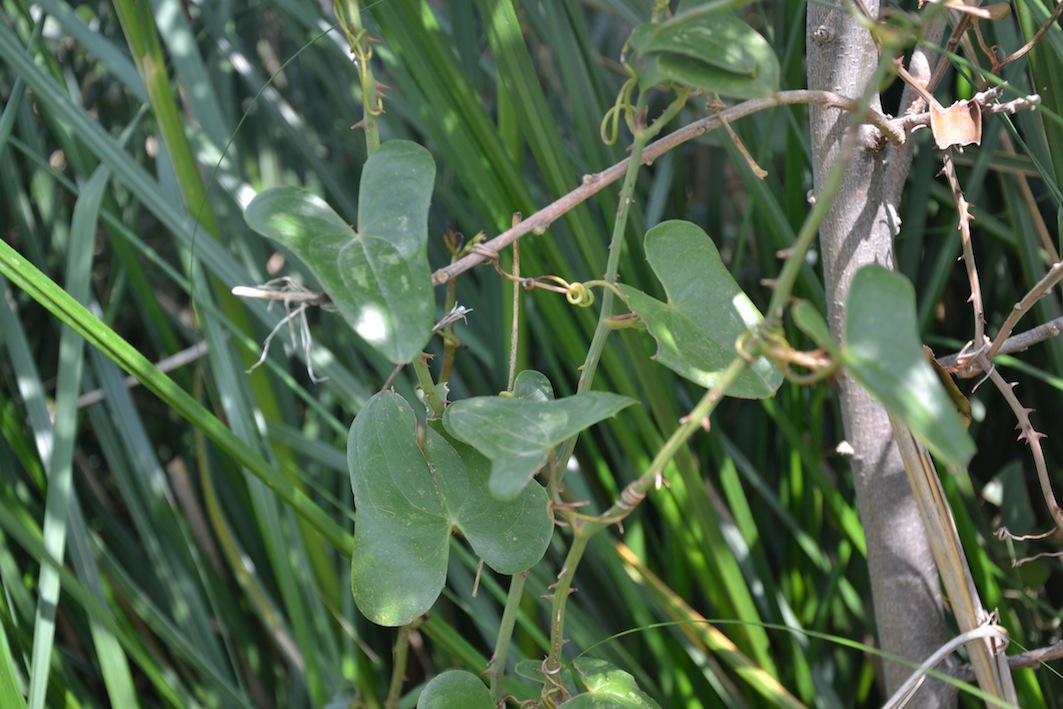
<point>859,230</point>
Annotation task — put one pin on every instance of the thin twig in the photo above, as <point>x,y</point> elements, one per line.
<point>963,208</point>
<point>945,62</point>
<point>1026,433</point>
<point>883,128</point>
<point>594,183</point>
<point>168,364</point>
<point>1023,306</point>
<point>1022,51</point>
<point>1032,658</point>
<point>1005,535</point>
<point>1016,563</point>
<point>1015,343</point>
<point>985,99</point>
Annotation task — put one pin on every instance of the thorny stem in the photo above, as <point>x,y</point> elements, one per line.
<point>963,208</point>
<point>584,530</point>
<point>552,689</point>
<point>350,21</point>
<point>398,672</point>
<point>1023,306</point>
<point>643,135</point>
<point>981,354</point>
<point>594,183</point>
<point>1028,434</point>
<point>1015,343</point>
<point>637,489</point>
<point>505,633</point>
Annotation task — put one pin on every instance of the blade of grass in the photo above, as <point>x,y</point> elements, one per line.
<point>60,304</point>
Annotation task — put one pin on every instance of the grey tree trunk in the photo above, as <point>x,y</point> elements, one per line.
<point>859,230</point>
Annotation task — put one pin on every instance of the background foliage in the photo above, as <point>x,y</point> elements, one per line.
<point>209,565</point>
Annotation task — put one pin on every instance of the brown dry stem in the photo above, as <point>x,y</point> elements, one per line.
<point>981,351</point>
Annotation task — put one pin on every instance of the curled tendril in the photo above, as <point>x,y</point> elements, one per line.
<point>742,346</point>
<point>579,294</point>
<point>610,127</point>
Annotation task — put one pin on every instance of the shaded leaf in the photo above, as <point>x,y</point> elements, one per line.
<point>706,312</point>
<point>510,536</point>
<point>378,276</point>
<point>607,686</point>
<point>533,386</point>
<point>518,434</point>
<point>706,47</point>
<point>811,322</point>
<point>455,689</point>
<point>409,501</point>
<point>883,353</point>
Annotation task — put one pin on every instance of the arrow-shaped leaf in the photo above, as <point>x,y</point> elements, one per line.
<point>455,689</point>
<point>408,502</point>
<point>378,276</point>
<point>706,47</point>
<point>706,312</point>
<point>517,434</point>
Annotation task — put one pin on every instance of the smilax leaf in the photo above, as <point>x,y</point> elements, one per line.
<point>408,501</point>
<point>608,686</point>
<point>517,434</point>
<point>706,47</point>
<point>706,312</point>
<point>883,353</point>
<point>378,275</point>
<point>455,689</point>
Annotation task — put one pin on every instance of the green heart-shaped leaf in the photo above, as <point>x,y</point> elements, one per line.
<point>607,686</point>
<point>408,502</point>
<point>378,276</point>
<point>517,434</point>
<point>455,689</point>
<point>706,47</point>
<point>883,353</point>
<point>706,312</point>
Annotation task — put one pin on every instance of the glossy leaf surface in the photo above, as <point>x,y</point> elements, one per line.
<point>706,47</point>
<point>455,689</point>
<point>408,502</point>
<point>517,433</point>
<point>377,275</point>
<point>706,312</point>
<point>883,353</point>
<point>608,686</point>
